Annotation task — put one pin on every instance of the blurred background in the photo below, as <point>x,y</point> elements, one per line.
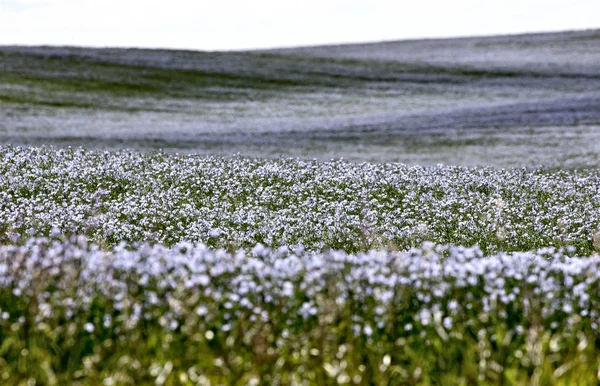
<point>380,81</point>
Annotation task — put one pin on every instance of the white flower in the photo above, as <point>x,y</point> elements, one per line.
<point>447,323</point>
<point>89,327</point>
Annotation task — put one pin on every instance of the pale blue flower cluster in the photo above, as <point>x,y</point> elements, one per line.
<point>239,202</point>
<point>196,288</point>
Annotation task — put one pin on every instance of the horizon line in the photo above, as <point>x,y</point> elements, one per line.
<point>319,45</point>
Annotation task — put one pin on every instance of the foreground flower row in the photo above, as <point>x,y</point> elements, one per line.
<point>191,314</point>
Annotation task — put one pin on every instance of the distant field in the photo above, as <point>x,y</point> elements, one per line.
<point>503,101</point>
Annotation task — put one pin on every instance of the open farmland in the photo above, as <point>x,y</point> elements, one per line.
<point>130,267</point>
<point>72,313</point>
<point>208,231</point>
<point>507,101</point>
<point>239,202</point>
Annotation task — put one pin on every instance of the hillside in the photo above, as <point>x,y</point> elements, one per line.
<point>503,101</point>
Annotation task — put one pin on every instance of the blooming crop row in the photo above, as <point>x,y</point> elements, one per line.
<point>191,314</point>
<point>238,202</point>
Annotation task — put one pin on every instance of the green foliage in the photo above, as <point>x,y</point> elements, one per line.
<point>67,327</point>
